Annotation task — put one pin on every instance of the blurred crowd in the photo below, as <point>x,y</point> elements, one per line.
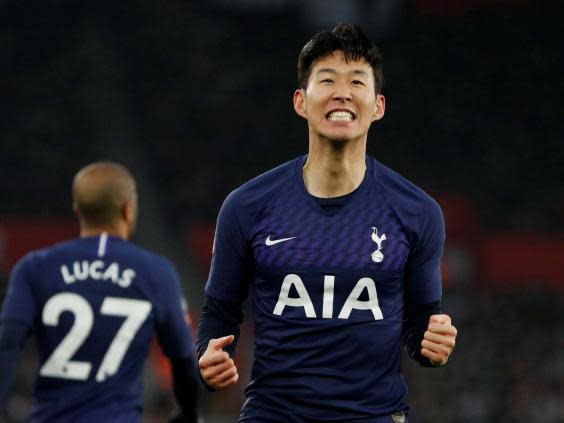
<point>508,366</point>
<point>198,94</point>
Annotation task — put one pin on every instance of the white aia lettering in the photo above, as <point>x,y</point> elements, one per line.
<point>97,270</point>
<point>304,300</point>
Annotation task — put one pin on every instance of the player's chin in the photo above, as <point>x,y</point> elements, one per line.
<point>342,135</point>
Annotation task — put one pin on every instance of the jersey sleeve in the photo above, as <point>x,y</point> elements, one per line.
<point>424,267</point>
<point>12,337</point>
<point>19,304</point>
<point>175,335</point>
<point>229,273</point>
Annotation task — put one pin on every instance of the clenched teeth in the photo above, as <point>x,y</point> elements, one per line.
<point>340,115</point>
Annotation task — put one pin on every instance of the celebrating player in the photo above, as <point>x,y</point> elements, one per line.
<point>94,305</point>
<point>342,255</point>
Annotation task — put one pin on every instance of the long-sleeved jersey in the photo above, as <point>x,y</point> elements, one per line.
<point>329,289</point>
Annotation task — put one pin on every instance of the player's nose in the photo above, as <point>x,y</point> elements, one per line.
<point>342,92</point>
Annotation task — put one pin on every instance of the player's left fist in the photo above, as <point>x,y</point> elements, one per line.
<point>439,339</point>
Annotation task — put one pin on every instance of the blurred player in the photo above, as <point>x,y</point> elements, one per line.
<point>94,305</point>
<point>342,255</point>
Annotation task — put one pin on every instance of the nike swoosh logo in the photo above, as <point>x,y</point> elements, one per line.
<point>270,242</point>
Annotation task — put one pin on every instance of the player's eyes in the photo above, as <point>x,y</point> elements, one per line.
<point>357,82</point>
<point>327,81</point>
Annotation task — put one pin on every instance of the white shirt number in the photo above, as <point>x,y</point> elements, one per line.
<point>59,363</point>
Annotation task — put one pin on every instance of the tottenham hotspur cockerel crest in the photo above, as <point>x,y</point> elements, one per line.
<point>377,256</point>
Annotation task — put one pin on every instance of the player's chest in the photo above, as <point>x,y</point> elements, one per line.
<point>365,243</point>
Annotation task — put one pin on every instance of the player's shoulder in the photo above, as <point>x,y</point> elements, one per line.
<point>258,190</point>
<point>158,261</point>
<point>403,193</point>
<point>148,258</point>
<point>46,254</point>
<point>266,183</point>
<point>35,261</point>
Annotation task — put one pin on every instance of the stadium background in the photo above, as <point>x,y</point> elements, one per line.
<point>195,97</point>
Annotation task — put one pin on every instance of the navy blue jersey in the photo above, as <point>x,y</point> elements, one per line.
<point>94,305</point>
<point>328,289</point>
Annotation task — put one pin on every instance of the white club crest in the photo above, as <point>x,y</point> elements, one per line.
<point>377,256</point>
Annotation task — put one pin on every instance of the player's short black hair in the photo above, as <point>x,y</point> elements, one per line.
<point>349,39</point>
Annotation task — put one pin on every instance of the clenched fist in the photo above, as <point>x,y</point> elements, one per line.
<point>217,368</point>
<point>439,339</point>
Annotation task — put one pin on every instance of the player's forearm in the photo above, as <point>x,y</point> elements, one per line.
<point>218,319</point>
<point>185,384</point>
<point>12,337</point>
<point>415,322</point>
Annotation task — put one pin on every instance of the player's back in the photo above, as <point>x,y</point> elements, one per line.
<point>94,305</point>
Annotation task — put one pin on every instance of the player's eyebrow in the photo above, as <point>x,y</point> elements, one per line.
<point>333,71</point>
<point>360,72</point>
<point>327,70</point>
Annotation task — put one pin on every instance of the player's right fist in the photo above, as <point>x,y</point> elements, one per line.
<point>217,368</point>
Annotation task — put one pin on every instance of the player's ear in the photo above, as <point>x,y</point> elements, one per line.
<point>128,211</point>
<point>380,108</point>
<point>75,209</point>
<point>129,214</point>
<point>299,102</point>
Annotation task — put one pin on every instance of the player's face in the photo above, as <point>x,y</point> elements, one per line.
<point>340,102</point>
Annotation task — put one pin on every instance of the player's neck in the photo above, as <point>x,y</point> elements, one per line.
<point>332,169</point>
<point>119,231</point>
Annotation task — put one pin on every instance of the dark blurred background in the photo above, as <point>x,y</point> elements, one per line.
<point>195,98</point>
